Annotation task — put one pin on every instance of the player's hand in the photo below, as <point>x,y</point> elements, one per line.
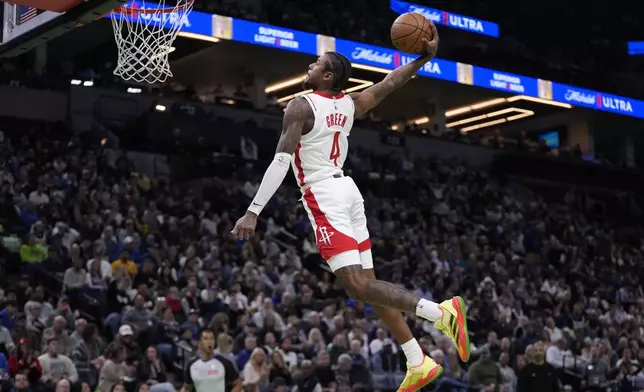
<point>431,47</point>
<point>245,226</point>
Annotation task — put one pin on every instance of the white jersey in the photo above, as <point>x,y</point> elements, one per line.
<point>321,152</point>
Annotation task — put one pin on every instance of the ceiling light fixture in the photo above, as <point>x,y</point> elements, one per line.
<point>371,68</point>
<point>287,83</point>
<point>487,115</point>
<point>200,37</point>
<point>284,84</point>
<point>498,101</point>
<point>525,113</point>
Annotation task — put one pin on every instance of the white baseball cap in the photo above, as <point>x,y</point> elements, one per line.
<point>126,330</point>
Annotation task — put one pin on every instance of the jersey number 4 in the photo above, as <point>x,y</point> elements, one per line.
<point>335,149</point>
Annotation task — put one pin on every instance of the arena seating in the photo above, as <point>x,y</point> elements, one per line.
<point>92,244</point>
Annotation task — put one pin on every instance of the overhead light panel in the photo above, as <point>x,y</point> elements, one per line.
<point>489,115</point>
<point>484,125</point>
<point>284,84</point>
<point>539,100</point>
<point>499,101</point>
<point>200,37</point>
<point>361,84</point>
<point>523,113</point>
<point>371,68</point>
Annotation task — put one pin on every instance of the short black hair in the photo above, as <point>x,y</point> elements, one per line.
<point>206,330</point>
<point>340,67</point>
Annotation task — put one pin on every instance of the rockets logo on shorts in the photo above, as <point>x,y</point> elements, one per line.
<point>324,235</point>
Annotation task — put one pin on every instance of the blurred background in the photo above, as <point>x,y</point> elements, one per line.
<point>507,172</point>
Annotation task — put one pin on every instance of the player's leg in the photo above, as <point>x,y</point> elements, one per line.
<point>439,314</point>
<point>392,318</point>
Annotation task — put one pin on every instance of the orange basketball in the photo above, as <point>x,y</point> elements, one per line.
<point>408,31</point>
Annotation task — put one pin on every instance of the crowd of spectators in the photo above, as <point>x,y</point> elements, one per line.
<point>112,274</point>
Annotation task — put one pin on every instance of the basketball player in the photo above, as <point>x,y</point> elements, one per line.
<point>208,372</point>
<point>314,140</point>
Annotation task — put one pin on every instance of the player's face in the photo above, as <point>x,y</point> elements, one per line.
<point>318,74</point>
<point>207,342</point>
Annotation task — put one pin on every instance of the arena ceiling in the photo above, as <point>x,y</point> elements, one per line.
<point>205,62</point>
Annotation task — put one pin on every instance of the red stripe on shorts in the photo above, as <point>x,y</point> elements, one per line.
<point>330,241</point>
<point>364,245</point>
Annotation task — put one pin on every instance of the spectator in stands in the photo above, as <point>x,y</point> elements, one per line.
<point>278,368</point>
<point>63,309</point>
<point>21,383</point>
<point>485,374</point>
<point>87,356</point>
<point>256,371</point>
<point>114,370</point>
<point>4,366</point>
<point>63,385</point>
<point>24,361</point>
<point>8,314</point>
<point>250,344</point>
<point>6,341</point>
<point>151,370</point>
<point>77,335</point>
<point>131,345</point>
<point>56,366</point>
<point>57,331</point>
<point>596,372</point>
<point>537,375</point>
<point>124,261</point>
<point>139,318</point>
<point>75,277</point>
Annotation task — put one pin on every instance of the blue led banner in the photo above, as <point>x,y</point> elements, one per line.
<point>636,48</point>
<point>225,27</point>
<point>448,19</point>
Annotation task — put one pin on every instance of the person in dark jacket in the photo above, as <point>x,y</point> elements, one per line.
<point>86,356</point>
<point>151,370</point>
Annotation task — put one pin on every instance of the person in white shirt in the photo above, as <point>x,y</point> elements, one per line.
<point>99,257</point>
<point>380,341</point>
<point>235,295</point>
<point>553,331</point>
<point>39,197</point>
<point>559,356</point>
<point>56,367</point>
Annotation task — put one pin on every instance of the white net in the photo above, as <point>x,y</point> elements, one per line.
<point>144,34</point>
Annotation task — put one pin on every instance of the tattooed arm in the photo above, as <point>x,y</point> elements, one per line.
<point>298,119</point>
<point>371,97</point>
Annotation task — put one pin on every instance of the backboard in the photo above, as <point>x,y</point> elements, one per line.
<point>29,23</point>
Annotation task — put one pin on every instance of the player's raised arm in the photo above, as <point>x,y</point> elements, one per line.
<point>296,116</point>
<point>371,97</point>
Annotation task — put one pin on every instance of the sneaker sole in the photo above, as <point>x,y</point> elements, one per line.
<point>463,333</point>
<point>431,377</point>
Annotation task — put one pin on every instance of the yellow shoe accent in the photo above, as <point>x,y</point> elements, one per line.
<point>421,375</point>
<point>454,325</point>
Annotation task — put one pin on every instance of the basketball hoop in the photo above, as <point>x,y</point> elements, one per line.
<point>144,37</point>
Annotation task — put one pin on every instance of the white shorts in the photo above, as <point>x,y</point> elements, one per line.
<point>336,211</point>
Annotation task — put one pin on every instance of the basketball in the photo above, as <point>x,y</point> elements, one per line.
<point>408,31</point>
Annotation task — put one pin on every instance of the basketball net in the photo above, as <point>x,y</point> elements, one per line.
<point>144,36</point>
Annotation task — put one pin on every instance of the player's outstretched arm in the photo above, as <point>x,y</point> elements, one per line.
<point>296,116</point>
<point>371,97</point>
